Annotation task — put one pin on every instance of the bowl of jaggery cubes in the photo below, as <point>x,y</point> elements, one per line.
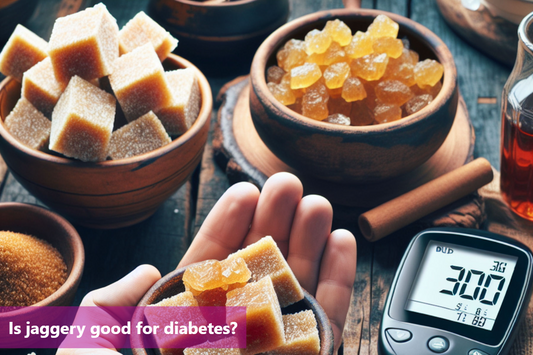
<point>353,96</point>
<point>281,317</point>
<point>100,124</point>
<point>41,262</point>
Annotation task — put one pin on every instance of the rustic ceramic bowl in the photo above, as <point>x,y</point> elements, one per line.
<point>108,194</point>
<point>48,226</point>
<point>345,153</point>
<point>226,33</point>
<point>171,284</point>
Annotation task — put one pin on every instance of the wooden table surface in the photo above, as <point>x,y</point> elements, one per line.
<point>163,239</point>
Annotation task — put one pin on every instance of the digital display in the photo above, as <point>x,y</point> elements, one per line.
<point>461,284</point>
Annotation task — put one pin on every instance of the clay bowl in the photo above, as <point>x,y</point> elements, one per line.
<point>172,284</point>
<point>226,33</point>
<point>48,226</point>
<point>344,153</point>
<point>108,194</point>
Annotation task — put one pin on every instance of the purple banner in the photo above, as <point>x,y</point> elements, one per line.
<point>122,327</point>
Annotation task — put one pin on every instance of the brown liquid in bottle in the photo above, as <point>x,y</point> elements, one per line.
<point>517,148</point>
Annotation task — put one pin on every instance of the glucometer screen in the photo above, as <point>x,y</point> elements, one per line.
<point>461,284</point>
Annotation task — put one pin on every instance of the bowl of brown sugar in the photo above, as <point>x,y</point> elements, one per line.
<point>41,257</point>
<point>350,116</point>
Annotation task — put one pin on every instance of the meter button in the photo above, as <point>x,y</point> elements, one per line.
<point>477,352</point>
<point>399,335</point>
<point>438,344</point>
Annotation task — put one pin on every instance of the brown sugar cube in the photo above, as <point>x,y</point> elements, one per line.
<point>22,51</point>
<point>41,88</point>
<point>139,83</point>
<point>141,30</point>
<point>82,121</point>
<point>264,324</point>
<point>28,125</point>
<point>219,347</point>
<point>301,335</point>
<point>180,114</point>
<point>140,136</point>
<point>264,258</point>
<point>84,44</point>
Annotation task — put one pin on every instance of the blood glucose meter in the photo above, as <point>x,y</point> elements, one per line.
<point>457,291</point>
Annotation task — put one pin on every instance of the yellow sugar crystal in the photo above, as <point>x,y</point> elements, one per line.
<point>383,26</point>
<point>334,54</point>
<point>264,324</point>
<point>391,46</point>
<point>274,74</point>
<point>141,30</point>
<point>315,102</point>
<point>263,258</point>
<point>393,92</point>
<point>301,335</point>
<point>431,90</point>
<point>339,32</point>
<point>22,51</point>
<point>82,121</point>
<point>428,72</point>
<point>183,299</point>
<point>370,67</point>
<point>212,274</point>
<point>336,74</point>
<point>338,118</point>
<point>292,55</point>
<point>384,113</point>
<point>305,75</point>
<point>417,103</point>
<point>282,92</point>
<point>41,88</point>
<point>179,115</point>
<point>362,44</point>
<point>28,125</point>
<point>353,90</point>
<point>361,114</point>
<point>138,137</point>
<point>404,72</point>
<point>317,42</point>
<point>84,44</point>
<point>316,58</point>
<point>139,83</point>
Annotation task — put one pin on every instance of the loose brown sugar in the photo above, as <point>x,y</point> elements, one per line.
<point>30,270</point>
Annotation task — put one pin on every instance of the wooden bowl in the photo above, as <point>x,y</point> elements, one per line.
<point>351,154</point>
<point>171,284</point>
<point>109,194</point>
<point>226,33</point>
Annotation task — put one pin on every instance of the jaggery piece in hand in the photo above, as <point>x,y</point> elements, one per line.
<point>211,274</point>
<point>41,88</point>
<point>264,258</point>
<point>139,83</point>
<point>143,29</point>
<point>28,125</point>
<point>184,107</point>
<point>264,324</point>
<point>183,299</point>
<point>84,44</point>
<point>301,335</point>
<point>140,136</point>
<point>82,121</point>
<point>22,51</point>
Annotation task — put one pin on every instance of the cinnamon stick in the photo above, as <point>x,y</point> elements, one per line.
<point>415,204</point>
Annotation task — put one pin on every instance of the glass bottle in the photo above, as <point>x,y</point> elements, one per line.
<point>517,127</point>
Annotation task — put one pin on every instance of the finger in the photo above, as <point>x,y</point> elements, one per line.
<point>310,231</point>
<point>335,282</point>
<point>226,226</point>
<point>275,210</point>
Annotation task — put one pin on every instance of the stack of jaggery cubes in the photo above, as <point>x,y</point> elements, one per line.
<point>258,278</point>
<point>76,87</point>
<point>369,78</point>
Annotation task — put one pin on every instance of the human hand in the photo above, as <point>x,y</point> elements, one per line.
<point>323,261</point>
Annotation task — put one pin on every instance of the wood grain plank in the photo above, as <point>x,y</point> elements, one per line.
<point>478,76</point>
<point>398,7</point>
